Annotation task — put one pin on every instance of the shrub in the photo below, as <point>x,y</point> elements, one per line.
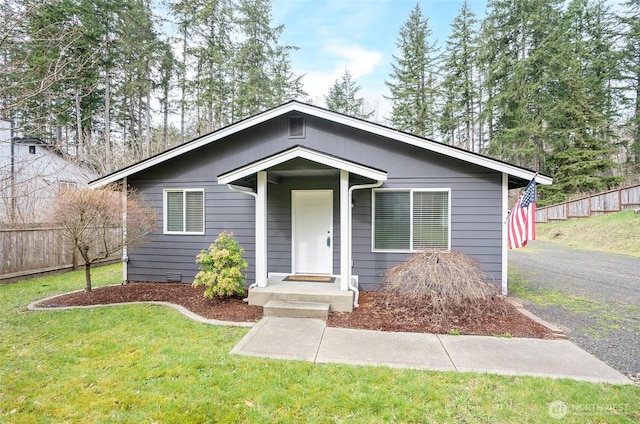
<point>439,283</point>
<point>221,267</point>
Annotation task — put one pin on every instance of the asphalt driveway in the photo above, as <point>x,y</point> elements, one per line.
<point>593,296</point>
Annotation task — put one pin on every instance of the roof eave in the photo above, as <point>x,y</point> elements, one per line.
<point>318,112</point>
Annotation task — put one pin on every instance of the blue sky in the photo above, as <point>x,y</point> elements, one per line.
<point>359,35</point>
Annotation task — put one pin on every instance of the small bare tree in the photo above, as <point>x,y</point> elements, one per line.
<point>90,221</point>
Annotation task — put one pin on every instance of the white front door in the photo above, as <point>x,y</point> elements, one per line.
<point>312,226</point>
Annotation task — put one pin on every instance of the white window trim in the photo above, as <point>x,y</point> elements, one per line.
<point>165,210</point>
<point>411,191</point>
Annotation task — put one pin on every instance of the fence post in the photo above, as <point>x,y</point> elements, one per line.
<point>546,214</point>
<point>619,199</point>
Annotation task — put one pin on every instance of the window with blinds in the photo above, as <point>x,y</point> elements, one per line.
<point>184,211</point>
<point>410,220</point>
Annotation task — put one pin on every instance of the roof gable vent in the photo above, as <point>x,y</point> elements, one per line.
<point>296,127</point>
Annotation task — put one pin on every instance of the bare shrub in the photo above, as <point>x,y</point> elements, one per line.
<point>442,284</point>
<point>86,218</point>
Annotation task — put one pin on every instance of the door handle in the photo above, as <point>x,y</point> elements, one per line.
<point>328,241</point>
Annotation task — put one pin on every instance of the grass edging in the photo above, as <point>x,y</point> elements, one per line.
<point>558,333</point>
<point>33,306</point>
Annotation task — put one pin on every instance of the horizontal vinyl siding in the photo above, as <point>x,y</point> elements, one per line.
<point>476,216</point>
<point>225,210</point>
<point>476,227</point>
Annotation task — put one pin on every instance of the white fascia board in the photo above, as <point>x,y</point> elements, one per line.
<point>301,152</point>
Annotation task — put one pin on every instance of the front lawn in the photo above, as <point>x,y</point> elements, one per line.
<point>144,363</point>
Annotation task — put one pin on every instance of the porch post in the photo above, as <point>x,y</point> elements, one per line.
<point>345,231</point>
<point>261,229</point>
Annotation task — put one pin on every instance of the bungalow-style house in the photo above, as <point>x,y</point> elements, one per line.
<point>32,173</point>
<point>307,191</point>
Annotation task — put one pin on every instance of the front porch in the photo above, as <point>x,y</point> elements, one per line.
<point>303,291</point>
<point>295,192</point>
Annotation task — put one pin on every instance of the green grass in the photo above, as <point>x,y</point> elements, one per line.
<point>144,363</point>
<point>615,232</point>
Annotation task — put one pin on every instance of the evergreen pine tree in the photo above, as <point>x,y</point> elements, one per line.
<point>522,36</point>
<point>412,83</point>
<point>631,68</point>
<point>342,97</point>
<point>458,119</point>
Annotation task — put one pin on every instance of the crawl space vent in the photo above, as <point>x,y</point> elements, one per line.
<point>296,127</point>
<point>174,277</point>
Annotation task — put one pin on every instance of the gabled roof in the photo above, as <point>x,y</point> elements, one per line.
<point>304,153</point>
<point>519,177</point>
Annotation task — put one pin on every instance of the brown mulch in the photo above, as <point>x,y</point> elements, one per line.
<point>231,309</point>
<point>498,317</point>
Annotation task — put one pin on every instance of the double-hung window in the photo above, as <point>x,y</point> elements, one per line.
<point>184,211</point>
<point>406,220</point>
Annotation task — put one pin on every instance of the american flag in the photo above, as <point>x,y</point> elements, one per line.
<point>522,220</point>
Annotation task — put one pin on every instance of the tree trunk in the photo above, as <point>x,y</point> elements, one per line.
<point>79,129</point>
<point>87,277</point>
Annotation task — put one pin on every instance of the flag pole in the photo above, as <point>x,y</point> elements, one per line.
<point>510,210</point>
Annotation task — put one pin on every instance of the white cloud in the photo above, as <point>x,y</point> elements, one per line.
<point>337,58</point>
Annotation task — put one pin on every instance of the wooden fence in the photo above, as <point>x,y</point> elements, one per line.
<point>616,200</point>
<point>36,250</point>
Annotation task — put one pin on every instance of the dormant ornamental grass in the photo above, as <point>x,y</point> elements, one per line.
<point>143,364</point>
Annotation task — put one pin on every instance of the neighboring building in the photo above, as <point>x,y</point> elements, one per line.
<point>310,191</point>
<point>32,173</point>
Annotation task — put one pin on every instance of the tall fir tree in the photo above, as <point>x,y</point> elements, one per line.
<point>343,98</point>
<point>413,82</point>
<point>519,32</point>
<point>458,118</point>
<point>631,69</point>
<point>263,75</point>
<point>578,119</point>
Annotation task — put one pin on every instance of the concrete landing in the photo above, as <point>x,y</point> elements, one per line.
<point>311,340</point>
<point>303,291</point>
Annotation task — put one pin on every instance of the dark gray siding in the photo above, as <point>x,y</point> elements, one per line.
<point>225,210</point>
<point>475,200</point>
<point>476,227</point>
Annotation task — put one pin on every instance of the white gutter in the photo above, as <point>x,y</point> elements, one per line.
<point>245,190</point>
<point>350,235</point>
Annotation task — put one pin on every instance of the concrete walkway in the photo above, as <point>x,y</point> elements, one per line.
<point>311,340</point>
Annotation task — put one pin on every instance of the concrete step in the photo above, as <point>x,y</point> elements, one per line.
<point>340,301</point>
<point>295,309</point>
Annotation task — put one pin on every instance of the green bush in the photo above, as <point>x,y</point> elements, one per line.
<point>221,268</point>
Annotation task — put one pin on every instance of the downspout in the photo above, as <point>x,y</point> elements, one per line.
<point>350,235</point>
<point>244,190</point>
<point>125,250</point>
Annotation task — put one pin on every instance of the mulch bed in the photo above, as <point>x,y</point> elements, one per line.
<point>231,309</point>
<point>497,318</point>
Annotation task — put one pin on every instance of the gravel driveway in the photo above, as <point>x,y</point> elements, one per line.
<point>593,296</point>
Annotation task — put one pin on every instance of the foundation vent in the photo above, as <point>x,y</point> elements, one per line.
<point>174,277</point>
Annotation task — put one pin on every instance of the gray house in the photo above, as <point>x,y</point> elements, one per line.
<point>307,191</point>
